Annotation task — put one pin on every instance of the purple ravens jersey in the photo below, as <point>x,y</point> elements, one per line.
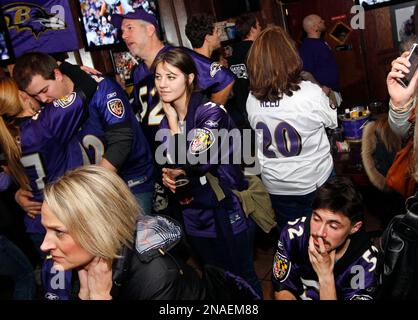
<point>110,107</point>
<point>202,123</point>
<point>212,77</point>
<point>50,146</point>
<point>56,284</point>
<point>354,273</point>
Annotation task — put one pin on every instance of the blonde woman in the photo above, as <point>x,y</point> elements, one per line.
<point>39,145</point>
<point>94,224</point>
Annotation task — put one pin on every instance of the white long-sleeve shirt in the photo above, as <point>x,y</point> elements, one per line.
<point>294,156</point>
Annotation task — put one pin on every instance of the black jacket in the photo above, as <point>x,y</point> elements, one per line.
<point>151,270</point>
<point>399,256</point>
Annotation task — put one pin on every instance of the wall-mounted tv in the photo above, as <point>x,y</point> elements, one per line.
<point>98,33</point>
<point>232,8</point>
<point>373,4</point>
<point>6,49</point>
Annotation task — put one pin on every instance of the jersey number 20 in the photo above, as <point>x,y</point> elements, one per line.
<point>288,141</point>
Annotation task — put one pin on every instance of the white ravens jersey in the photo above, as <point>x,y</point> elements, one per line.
<point>292,145</point>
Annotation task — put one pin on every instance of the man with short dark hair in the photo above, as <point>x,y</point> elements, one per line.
<point>111,135</point>
<point>327,256</point>
<point>248,28</point>
<point>203,34</point>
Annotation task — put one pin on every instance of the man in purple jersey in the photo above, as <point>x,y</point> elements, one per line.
<point>119,143</point>
<point>327,256</point>
<point>140,33</point>
<point>203,34</point>
<point>318,58</point>
<point>49,147</point>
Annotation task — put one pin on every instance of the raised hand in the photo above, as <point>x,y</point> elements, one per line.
<point>398,94</point>
<point>23,198</point>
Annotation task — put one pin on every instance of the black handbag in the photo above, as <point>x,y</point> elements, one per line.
<point>399,255</point>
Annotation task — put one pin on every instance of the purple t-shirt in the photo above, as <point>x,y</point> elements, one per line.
<point>355,273</point>
<point>318,59</point>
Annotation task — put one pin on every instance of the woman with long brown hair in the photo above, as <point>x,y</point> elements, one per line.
<point>217,227</point>
<point>291,115</point>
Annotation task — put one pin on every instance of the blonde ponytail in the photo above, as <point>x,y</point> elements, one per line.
<point>10,105</point>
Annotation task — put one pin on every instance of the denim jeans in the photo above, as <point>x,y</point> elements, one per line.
<point>15,264</point>
<point>290,207</point>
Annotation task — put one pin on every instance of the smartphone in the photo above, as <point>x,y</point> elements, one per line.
<point>413,59</point>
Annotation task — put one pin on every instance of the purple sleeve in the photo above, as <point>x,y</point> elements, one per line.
<point>285,273</point>
<point>204,138</point>
<point>64,116</point>
<point>211,75</point>
<point>112,103</point>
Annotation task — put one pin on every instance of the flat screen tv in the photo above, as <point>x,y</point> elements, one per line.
<point>97,31</point>
<point>372,4</point>
<point>232,8</point>
<point>6,49</point>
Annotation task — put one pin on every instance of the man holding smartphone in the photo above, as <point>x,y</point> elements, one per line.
<point>327,256</point>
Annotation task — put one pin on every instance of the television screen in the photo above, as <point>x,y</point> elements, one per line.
<point>6,50</point>
<point>98,32</point>
<point>232,8</point>
<point>372,4</point>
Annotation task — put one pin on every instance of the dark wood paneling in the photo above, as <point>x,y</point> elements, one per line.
<point>102,61</point>
<point>268,14</point>
<point>351,63</point>
<point>363,69</point>
<point>379,51</point>
<point>199,6</point>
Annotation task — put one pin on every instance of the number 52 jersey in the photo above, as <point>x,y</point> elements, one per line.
<point>355,273</point>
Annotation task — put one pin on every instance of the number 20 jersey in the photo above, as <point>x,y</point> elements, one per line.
<point>355,273</point>
<point>295,153</point>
